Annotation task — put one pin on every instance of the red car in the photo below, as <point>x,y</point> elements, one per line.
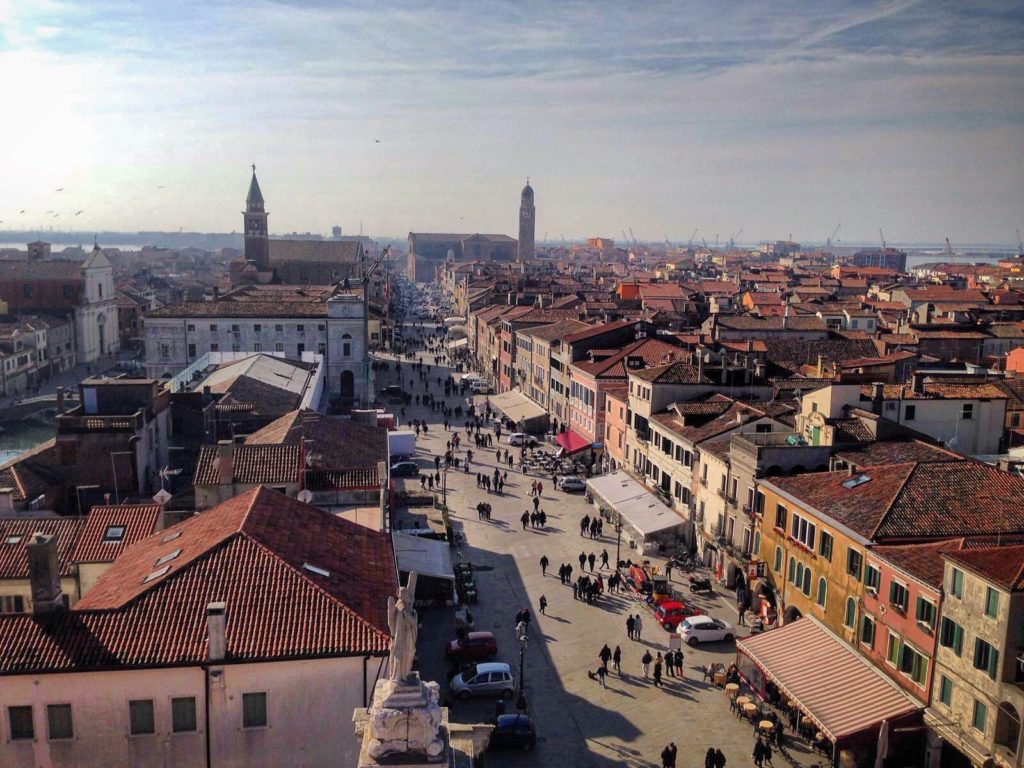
<point>476,646</point>
<point>670,613</point>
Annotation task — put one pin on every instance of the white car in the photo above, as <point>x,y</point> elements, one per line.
<point>470,377</point>
<point>695,630</point>
<point>571,484</point>
<point>521,438</point>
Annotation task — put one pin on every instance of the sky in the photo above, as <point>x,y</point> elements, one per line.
<point>761,120</point>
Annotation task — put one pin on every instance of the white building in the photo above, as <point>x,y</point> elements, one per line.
<point>226,640</point>
<point>96,325</point>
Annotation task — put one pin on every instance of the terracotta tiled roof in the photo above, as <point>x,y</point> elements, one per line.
<point>250,553</point>
<point>673,373</point>
<point>923,561</point>
<point>15,533</point>
<point>110,529</point>
<point>1003,566</point>
<point>749,323</point>
<point>555,331</point>
<point>652,351</point>
<point>251,464</point>
<point>938,390</point>
<point>332,442</point>
<point>30,474</point>
<point>924,500</point>
<point>896,452</point>
<point>597,330</point>
<point>229,309</point>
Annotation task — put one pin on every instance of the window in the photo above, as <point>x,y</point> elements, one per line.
<point>910,413</point>
<point>257,327</point>
<point>991,602</point>
<point>114,533</point>
<point>853,563</point>
<point>254,710</point>
<point>825,546</point>
<point>13,540</point>
<point>968,412</point>
<point>956,583</point>
<point>279,346</point>
<point>951,635</point>
<point>822,590</point>
<point>213,327</point>
<point>214,347</point>
<point>183,714</point>
<point>165,351</point>
<point>140,713</point>
<point>913,664</point>
<point>20,719</point>
<point>946,691</point>
<point>792,570</point>
<point>279,328</point>
<point>803,531</point>
<point>780,516</point>
<point>100,286</point>
<point>757,542</point>
<point>235,328</point>
<point>58,721</point>
<point>898,596</point>
<point>872,576</point>
<point>807,582</point>
<point>979,716</point>
<point>190,327</point>
<point>191,350</point>
<point>892,649</point>
<point>257,347</point>
<point>346,349</point>
<point>236,347</point>
<point>12,604</point>
<point>778,560</point>
<point>924,611</point>
<point>867,631</point>
<point>168,557</point>
<point>986,657</point>
<point>300,328</point>
<point>850,619</point>
<point>26,291</point>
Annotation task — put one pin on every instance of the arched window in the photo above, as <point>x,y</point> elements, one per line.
<point>792,570</point>
<point>822,591</point>
<point>807,582</point>
<point>778,560</point>
<point>757,543</point>
<point>799,575</point>
<point>850,619</point>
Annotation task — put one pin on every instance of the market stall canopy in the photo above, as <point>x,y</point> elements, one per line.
<point>637,505</point>
<point>458,343</point>
<point>839,689</point>
<point>572,442</point>
<point>518,406</point>
<point>457,331</point>
<point>425,556</point>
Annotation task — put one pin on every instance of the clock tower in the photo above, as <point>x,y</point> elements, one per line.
<point>527,224</point>
<point>257,239</point>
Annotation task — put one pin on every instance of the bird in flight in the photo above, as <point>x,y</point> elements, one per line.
<point>161,186</point>
<point>78,212</point>
<point>21,211</point>
<point>376,141</point>
<point>59,189</point>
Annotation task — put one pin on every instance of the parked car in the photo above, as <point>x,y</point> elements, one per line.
<point>475,646</point>
<point>513,732</point>
<point>571,484</point>
<point>472,376</point>
<point>521,438</point>
<point>487,679</point>
<point>480,387</point>
<point>404,469</point>
<point>671,612</point>
<point>704,629</point>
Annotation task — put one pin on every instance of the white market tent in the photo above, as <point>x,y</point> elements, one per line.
<point>520,408</point>
<point>431,559</point>
<point>645,519</point>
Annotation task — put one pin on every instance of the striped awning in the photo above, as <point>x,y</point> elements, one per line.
<point>839,689</point>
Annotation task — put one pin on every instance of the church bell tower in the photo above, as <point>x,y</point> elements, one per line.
<point>257,239</point>
<point>527,224</point>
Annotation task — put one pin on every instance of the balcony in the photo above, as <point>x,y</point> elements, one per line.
<point>776,452</point>
<point>747,509</point>
<point>720,492</point>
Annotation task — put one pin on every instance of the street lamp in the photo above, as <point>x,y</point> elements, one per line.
<point>618,537</point>
<point>78,494</point>
<point>523,638</point>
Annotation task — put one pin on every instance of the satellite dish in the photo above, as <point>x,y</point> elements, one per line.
<point>305,496</point>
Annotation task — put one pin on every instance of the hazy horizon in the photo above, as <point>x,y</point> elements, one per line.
<point>774,118</point>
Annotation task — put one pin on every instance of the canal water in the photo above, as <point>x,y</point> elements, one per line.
<point>18,435</point>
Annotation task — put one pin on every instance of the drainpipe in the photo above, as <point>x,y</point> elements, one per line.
<point>206,712</point>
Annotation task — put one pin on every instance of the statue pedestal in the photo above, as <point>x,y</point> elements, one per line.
<point>404,725</point>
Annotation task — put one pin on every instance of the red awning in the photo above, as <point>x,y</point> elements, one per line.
<point>572,442</point>
<point>841,690</point>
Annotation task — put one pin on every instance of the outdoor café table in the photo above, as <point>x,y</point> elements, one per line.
<point>732,689</point>
<point>750,709</point>
<point>743,700</point>
<point>766,725</point>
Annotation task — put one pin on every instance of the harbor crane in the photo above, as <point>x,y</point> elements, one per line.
<point>733,238</point>
<point>828,243</point>
<point>881,237</point>
<point>1020,244</point>
<point>948,251</point>
<point>689,243</point>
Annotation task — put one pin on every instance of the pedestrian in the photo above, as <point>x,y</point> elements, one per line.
<point>638,625</point>
<point>584,525</point>
<point>675,752</point>
<point>543,605</point>
<point>583,560</point>
<point>630,626</point>
<point>525,519</point>
<point>602,671</point>
<point>758,753</point>
<point>719,759</point>
<point>575,590</point>
<point>542,518</point>
<point>767,752</point>
<point>604,559</point>
<point>670,664</point>
<point>666,757</point>
<point>561,573</point>
<point>605,655</point>
<point>568,572</point>
<point>679,663</point>
<point>600,528</point>
<point>544,565</point>
<point>709,758</point>
<point>645,663</point>
<point>540,488</point>
<point>591,558</point>
<point>533,519</point>
<point>657,673</point>
<point>536,503</point>
<point>533,488</point>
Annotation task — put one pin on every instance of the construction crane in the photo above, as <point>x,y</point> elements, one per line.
<point>732,239</point>
<point>948,250</point>
<point>881,237</point>
<point>625,240</point>
<point>828,243</point>
<point>689,243</point>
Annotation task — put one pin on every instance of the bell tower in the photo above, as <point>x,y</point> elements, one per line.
<point>257,239</point>
<point>527,224</point>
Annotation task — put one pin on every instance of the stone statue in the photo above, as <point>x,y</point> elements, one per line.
<point>402,622</point>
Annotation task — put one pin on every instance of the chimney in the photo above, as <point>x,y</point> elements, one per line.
<point>216,631</point>
<point>877,396</point>
<point>750,345</point>
<point>785,318</point>
<point>225,462</point>
<point>44,574</point>
<point>60,399</point>
<point>851,469</point>
<point>917,381</point>
<point>821,366</point>
<point>700,366</point>
<point>6,501</point>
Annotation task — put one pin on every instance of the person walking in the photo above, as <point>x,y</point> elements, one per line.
<point>583,560</point>
<point>675,752</point>
<point>638,626</point>
<point>602,672</point>
<point>525,519</point>
<point>591,558</point>
<point>544,565</point>
<point>670,664</point>
<point>758,753</point>
<point>536,503</point>
<point>575,590</point>
<point>617,660</point>
<point>568,572</point>
<point>543,605</point>
<point>540,488</point>
<point>709,758</point>
<point>645,663</point>
<point>561,573</point>
<point>630,626</point>
<point>605,655</point>
<point>604,559</point>
<point>719,759</point>
<point>666,757</point>
<point>679,663</point>
<point>657,673</point>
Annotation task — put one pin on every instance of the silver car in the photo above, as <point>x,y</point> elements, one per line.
<point>488,679</point>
